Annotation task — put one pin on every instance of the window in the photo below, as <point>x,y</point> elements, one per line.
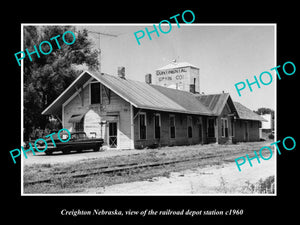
<point>142,118</point>
<point>172,126</point>
<point>157,124</point>
<point>95,93</point>
<point>224,127</point>
<point>79,125</point>
<point>77,121</point>
<point>189,126</point>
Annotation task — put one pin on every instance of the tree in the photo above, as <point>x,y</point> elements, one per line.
<point>48,76</point>
<point>263,111</point>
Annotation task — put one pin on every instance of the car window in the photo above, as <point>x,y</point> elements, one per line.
<point>81,135</point>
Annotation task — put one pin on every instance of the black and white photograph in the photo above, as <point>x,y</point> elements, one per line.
<point>178,114</point>
<point>149,113</point>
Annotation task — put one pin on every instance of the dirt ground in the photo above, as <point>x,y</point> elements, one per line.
<point>58,157</point>
<point>211,180</point>
<point>212,176</point>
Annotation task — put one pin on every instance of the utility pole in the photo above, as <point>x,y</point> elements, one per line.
<point>99,34</point>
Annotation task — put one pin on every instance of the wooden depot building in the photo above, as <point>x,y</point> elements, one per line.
<point>130,114</point>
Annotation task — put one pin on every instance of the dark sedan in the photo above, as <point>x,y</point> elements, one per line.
<point>78,142</point>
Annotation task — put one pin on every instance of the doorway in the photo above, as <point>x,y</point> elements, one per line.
<point>113,134</point>
<point>200,133</point>
<point>211,128</point>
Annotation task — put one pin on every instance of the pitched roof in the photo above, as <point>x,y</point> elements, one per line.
<point>247,114</point>
<point>145,96</point>
<point>139,94</point>
<point>214,102</point>
<point>56,106</point>
<point>185,99</point>
<point>176,65</point>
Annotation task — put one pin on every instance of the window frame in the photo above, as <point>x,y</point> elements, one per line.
<point>159,125</point>
<point>189,122</point>
<point>78,126</point>
<point>224,126</point>
<point>170,127</point>
<point>145,116</point>
<point>100,92</point>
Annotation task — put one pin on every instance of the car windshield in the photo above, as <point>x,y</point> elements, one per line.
<point>79,135</point>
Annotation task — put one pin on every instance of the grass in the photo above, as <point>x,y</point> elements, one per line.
<point>61,173</point>
<point>266,186</point>
<point>223,186</point>
<point>263,186</point>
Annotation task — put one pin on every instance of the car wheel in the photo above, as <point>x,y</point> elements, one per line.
<point>66,151</point>
<point>96,149</point>
<point>48,152</point>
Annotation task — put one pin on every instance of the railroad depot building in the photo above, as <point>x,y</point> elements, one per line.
<point>130,114</point>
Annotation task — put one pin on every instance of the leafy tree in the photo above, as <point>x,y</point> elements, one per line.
<point>263,111</point>
<point>48,76</point>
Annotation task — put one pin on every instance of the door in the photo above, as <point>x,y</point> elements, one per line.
<point>246,137</point>
<point>211,127</point>
<point>113,134</point>
<point>200,133</point>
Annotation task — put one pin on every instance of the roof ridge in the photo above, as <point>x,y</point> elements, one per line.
<point>243,110</point>
<point>174,65</point>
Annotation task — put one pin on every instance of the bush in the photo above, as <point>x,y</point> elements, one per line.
<point>266,186</point>
<point>271,136</point>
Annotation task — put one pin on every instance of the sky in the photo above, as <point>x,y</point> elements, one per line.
<point>225,53</point>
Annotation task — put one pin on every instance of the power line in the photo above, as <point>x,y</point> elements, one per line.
<point>99,35</point>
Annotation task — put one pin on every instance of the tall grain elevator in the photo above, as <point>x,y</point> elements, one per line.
<point>179,75</point>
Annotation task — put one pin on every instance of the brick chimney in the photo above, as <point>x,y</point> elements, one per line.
<point>148,78</point>
<point>121,72</point>
<point>192,88</point>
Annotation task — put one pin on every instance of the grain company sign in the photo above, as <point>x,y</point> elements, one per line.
<point>172,77</point>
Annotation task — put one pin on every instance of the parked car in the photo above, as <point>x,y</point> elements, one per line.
<point>78,142</point>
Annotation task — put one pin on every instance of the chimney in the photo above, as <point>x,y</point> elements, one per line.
<point>148,78</point>
<point>192,88</point>
<point>121,72</point>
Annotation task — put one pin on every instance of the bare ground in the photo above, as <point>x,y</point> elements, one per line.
<point>214,175</point>
<point>211,180</point>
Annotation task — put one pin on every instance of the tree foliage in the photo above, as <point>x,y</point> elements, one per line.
<point>263,111</point>
<point>48,76</point>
